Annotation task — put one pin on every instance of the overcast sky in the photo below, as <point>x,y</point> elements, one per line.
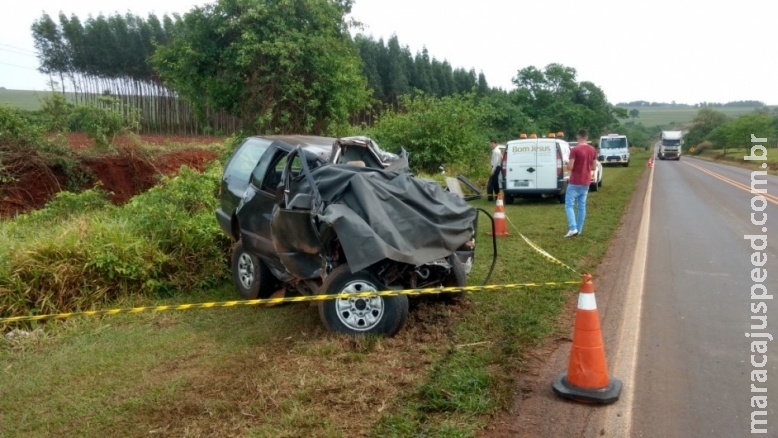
<point>659,50</point>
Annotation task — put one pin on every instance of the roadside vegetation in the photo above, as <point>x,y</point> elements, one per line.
<point>276,371</point>
<point>271,372</point>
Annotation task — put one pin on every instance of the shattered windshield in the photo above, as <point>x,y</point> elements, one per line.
<point>613,143</point>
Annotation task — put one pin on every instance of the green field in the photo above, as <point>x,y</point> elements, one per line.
<point>658,116</point>
<point>25,99</point>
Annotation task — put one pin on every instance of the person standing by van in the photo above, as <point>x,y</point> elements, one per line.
<point>493,186</point>
<point>583,160</point>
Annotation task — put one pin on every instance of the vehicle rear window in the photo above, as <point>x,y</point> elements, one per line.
<point>246,158</point>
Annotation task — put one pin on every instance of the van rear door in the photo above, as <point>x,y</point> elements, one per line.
<point>522,165</point>
<point>547,164</point>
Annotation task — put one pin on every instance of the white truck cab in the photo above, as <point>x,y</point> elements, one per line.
<point>671,145</point>
<point>535,167</point>
<point>614,149</point>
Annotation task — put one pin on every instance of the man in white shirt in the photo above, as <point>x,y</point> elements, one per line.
<point>493,186</point>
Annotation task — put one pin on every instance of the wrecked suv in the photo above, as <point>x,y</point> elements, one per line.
<point>316,215</point>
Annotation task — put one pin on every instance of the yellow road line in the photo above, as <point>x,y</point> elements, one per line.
<point>741,186</point>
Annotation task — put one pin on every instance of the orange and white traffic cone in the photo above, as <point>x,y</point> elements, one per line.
<point>586,379</point>
<point>500,224</point>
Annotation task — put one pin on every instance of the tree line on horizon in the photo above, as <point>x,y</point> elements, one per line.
<point>673,104</point>
<point>288,67</point>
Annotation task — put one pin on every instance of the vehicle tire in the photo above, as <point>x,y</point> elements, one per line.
<point>251,277</point>
<point>561,198</point>
<point>361,316</point>
<point>599,183</point>
<point>456,278</point>
<point>626,164</point>
<point>593,187</point>
<point>508,199</point>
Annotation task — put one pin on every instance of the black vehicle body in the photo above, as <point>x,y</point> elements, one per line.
<point>345,202</point>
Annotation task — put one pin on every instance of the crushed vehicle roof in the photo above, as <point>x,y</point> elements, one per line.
<point>386,214</point>
<point>321,146</point>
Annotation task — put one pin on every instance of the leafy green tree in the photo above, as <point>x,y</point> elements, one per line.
<point>634,113</point>
<point>742,128</point>
<point>483,86</point>
<point>719,136</point>
<point>281,67</point>
<point>706,120</point>
<point>436,131</point>
<point>555,101</point>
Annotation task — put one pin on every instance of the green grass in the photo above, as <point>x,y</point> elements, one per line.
<point>275,372</point>
<point>737,154</point>
<point>25,99</point>
<point>467,383</point>
<point>650,116</point>
<point>734,157</point>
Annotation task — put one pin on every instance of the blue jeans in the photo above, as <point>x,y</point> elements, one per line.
<point>576,193</point>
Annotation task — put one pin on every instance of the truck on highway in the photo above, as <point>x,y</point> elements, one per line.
<point>670,145</point>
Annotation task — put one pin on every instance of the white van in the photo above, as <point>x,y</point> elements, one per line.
<point>614,149</point>
<point>535,167</point>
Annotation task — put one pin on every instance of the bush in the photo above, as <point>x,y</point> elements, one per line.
<point>16,130</point>
<point>56,111</point>
<point>437,131</point>
<point>105,120</point>
<point>80,252</point>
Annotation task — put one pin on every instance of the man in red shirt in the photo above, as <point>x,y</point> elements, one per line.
<point>583,160</point>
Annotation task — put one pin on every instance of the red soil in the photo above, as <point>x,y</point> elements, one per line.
<point>126,176</point>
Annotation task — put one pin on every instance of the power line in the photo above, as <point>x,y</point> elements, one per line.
<point>17,53</point>
<point>17,48</point>
<point>20,66</point>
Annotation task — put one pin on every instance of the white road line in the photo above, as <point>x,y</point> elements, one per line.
<point>618,417</point>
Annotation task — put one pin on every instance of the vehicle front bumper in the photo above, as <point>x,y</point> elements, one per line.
<point>608,159</point>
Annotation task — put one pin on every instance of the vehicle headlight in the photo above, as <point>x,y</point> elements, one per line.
<point>624,157</point>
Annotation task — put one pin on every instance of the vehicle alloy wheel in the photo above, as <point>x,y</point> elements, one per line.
<point>246,271</point>
<point>251,277</point>
<point>360,316</point>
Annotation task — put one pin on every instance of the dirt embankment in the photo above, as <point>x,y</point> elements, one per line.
<point>125,175</point>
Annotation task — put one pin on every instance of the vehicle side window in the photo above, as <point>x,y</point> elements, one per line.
<point>275,174</point>
<point>276,169</point>
<point>246,159</point>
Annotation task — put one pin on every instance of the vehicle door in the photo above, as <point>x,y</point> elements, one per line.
<point>237,173</point>
<point>295,235</point>
<point>522,165</point>
<point>546,156</point>
<point>256,208</point>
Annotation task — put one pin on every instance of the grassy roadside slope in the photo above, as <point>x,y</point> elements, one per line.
<point>734,157</point>
<point>274,372</point>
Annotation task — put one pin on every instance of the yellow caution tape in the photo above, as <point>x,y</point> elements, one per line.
<point>391,293</point>
<point>540,250</point>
